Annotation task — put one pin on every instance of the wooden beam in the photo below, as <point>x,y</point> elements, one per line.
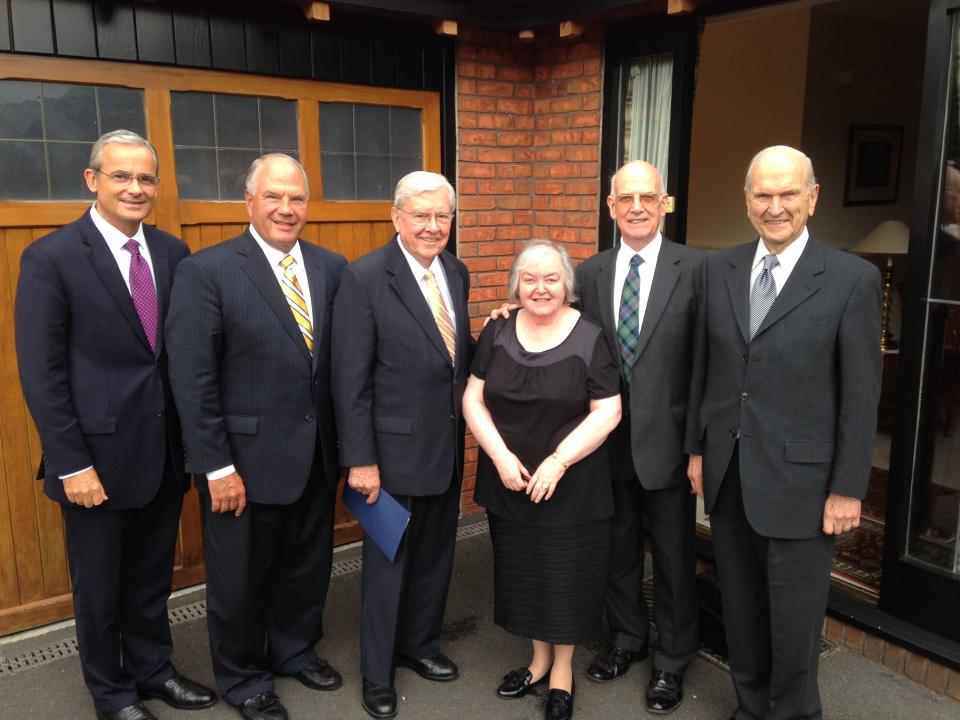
<point>316,11</point>
<point>526,35</point>
<point>446,27</point>
<point>571,29</point>
<point>680,7</point>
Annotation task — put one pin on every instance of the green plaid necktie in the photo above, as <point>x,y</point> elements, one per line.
<point>628,323</point>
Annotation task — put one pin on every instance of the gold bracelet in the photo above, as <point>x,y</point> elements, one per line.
<point>556,457</point>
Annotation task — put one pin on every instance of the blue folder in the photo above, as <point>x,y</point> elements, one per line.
<point>384,521</point>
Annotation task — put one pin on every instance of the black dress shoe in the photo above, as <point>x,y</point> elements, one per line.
<point>439,668</point>
<point>665,692</point>
<point>613,664</point>
<point>379,701</point>
<point>559,705</point>
<point>263,706</point>
<point>319,675</point>
<point>137,711</point>
<point>518,683</point>
<point>182,693</point>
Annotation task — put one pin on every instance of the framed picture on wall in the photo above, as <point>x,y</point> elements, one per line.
<point>873,164</point>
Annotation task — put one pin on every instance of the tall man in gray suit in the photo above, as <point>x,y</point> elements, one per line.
<point>789,366</point>
<point>402,349</point>
<point>249,338</point>
<point>645,293</point>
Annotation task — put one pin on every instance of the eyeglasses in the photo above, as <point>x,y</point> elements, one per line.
<point>645,199</point>
<point>423,219</point>
<point>123,178</point>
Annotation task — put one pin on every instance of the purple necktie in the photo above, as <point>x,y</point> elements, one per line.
<point>143,291</point>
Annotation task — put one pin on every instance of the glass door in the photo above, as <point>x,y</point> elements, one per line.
<point>921,571</point>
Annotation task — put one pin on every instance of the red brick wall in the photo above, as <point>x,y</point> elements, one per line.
<point>528,137</point>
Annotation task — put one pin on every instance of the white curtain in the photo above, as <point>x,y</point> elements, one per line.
<point>648,119</point>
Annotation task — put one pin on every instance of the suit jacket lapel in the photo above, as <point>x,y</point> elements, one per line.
<point>106,268</point>
<point>161,273</point>
<point>408,290</point>
<point>803,282</point>
<point>605,298</point>
<point>318,292</point>
<point>254,264</point>
<point>665,277</point>
<point>738,285</point>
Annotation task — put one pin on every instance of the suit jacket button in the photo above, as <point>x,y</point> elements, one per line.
<point>308,417</point>
<point>744,396</point>
<point>453,417</point>
<point>159,413</point>
<point>744,358</point>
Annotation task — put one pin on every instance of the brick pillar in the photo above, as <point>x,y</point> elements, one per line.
<point>528,137</point>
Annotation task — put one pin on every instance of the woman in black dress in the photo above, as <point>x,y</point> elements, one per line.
<point>544,392</point>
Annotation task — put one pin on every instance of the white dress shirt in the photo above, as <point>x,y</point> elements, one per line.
<point>649,255</point>
<point>274,256</point>
<point>436,267</point>
<point>786,260</point>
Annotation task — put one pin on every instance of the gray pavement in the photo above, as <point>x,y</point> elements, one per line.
<point>853,688</point>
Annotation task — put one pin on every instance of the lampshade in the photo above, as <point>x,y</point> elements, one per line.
<point>891,237</point>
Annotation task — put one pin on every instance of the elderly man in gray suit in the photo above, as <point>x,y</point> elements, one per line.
<point>788,366</point>
<point>402,349</point>
<point>645,293</point>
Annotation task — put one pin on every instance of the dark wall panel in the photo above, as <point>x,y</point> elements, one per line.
<point>262,47</point>
<point>76,32</point>
<point>191,32</point>
<point>355,58</point>
<point>383,60</point>
<point>325,45</point>
<point>32,26</point>
<point>116,31</point>
<point>155,35</point>
<point>409,63</point>
<point>227,43</point>
<point>294,50</point>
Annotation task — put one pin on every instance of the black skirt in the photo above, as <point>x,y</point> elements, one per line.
<point>550,582</point>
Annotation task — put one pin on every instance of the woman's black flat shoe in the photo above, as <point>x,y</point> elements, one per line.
<point>558,705</point>
<point>517,683</point>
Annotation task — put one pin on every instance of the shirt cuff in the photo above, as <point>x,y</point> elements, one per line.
<point>221,473</point>
<point>74,474</point>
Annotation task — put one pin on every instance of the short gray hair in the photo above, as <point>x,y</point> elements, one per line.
<point>120,137</point>
<point>786,149</point>
<point>421,181</point>
<point>521,261</point>
<point>250,182</point>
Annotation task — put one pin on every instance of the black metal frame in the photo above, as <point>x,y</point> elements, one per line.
<point>920,595</point>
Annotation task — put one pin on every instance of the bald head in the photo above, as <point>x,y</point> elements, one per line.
<point>781,194</point>
<point>633,169</point>
<point>782,154</point>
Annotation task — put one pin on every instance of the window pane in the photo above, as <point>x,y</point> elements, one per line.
<point>70,112</point>
<point>338,179</point>
<point>238,124</point>
<point>406,136</point>
<point>197,173</point>
<point>20,111</point>
<point>373,129</point>
<point>67,163</point>
<point>233,171</point>
<point>373,178</point>
<point>121,108</point>
<point>192,119</point>
<point>336,127</point>
<point>278,121</point>
<point>400,167</point>
<point>22,172</point>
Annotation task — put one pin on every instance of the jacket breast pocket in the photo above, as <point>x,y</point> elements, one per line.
<point>242,424</point>
<point>392,425</point>
<point>801,451</point>
<point>97,425</point>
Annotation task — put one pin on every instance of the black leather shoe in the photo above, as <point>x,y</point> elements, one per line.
<point>137,711</point>
<point>263,706</point>
<point>558,706</point>
<point>379,701</point>
<point>439,668</point>
<point>518,683</point>
<point>665,692</point>
<point>319,675</point>
<point>614,663</point>
<point>182,693</point>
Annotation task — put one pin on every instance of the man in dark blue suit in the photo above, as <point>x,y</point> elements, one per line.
<point>90,306</point>
<point>249,336</point>
<point>402,349</point>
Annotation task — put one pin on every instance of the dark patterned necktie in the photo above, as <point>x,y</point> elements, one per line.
<point>764,293</point>
<point>143,291</point>
<point>628,323</point>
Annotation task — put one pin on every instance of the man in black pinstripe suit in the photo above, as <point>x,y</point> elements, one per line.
<point>249,338</point>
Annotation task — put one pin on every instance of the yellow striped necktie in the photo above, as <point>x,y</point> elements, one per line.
<point>298,305</point>
<point>441,315</point>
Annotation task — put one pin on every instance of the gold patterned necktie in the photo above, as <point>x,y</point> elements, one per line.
<point>441,315</point>
<point>298,305</point>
